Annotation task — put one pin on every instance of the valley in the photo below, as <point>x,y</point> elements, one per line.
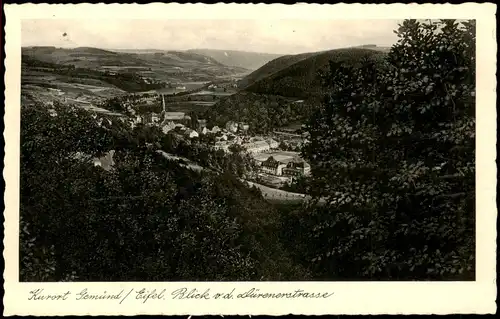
<point>93,75</point>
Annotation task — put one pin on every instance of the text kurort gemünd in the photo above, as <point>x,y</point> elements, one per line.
<point>143,295</point>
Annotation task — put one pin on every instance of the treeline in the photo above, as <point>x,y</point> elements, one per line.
<point>148,219</point>
<point>262,112</point>
<point>127,81</point>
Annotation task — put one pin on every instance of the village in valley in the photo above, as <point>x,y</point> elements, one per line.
<point>276,154</point>
<point>174,99</point>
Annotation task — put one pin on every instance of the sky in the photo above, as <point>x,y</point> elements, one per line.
<point>269,36</point>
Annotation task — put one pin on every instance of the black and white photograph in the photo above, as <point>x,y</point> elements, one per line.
<point>247,150</point>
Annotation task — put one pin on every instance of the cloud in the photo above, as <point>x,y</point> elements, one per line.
<point>273,36</point>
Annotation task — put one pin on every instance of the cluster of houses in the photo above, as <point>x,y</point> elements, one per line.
<point>222,87</point>
<point>233,133</point>
<point>215,88</point>
<point>129,102</point>
<point>275,167</point>
<point>181,122</point>
<point>162,118</point>
<point>181,128</point>
<point>292,167</point>
<point>250,144</point>
<point>235,127</point>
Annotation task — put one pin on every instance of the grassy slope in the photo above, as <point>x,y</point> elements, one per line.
<point>81,57</point>
<point>97,58</point>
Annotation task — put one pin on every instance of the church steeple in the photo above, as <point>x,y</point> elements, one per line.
<point>164,110</point>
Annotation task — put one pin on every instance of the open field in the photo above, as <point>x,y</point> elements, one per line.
<point>47,87</point>
<point>169,66</point>
<point>89,75</point>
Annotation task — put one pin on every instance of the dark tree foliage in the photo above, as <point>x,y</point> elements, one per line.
<point>300,184</point>
<point>392,148</point>
<point>236,162</point>
<point>147,219</point>
<point>263,113</point>
<point>133,104</point>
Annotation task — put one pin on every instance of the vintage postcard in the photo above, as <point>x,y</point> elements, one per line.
<point>241,159</point>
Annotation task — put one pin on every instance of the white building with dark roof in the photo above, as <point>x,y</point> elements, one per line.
<point>297,167</point>
<point>272,166</point>
<point>168,127</point>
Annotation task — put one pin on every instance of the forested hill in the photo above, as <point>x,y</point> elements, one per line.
<point>263,112</point>
<point>299,75</point>
<point>273,66</point>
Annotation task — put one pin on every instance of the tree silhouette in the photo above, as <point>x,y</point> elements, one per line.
<point>392,148</point>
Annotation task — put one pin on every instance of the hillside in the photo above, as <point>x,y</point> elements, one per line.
<point>285,90</point>
<point>80,57</point>
<point>299,75</point>
<point>242,59</point>
<point>273,66</point>
<point>168,66</point>
<point>90,75</point>
<point>173,55</point>
<point>191,56</point>
<point>374,47</point>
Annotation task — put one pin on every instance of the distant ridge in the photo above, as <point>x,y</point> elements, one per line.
<point>95,57</point>
<point>373,47</point>
<point>86,57</point>
<point>242,59</point>
<point>93,50</point>
<point>163,66</point>
<point>43,48</point>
